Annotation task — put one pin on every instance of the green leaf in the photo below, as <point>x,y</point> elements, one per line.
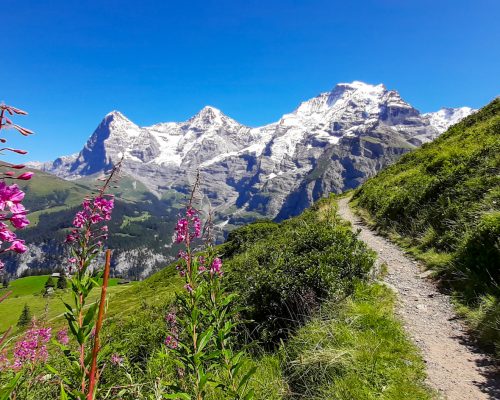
<point>247,376</point>
<point>202,381</point>
<point>68,307</point>
<point>63,396</point>
<point>9,388</point>
<point>205,338</point>
<point>249,395</point>
<point>90,313</point>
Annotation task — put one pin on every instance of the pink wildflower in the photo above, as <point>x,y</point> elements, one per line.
<point>216,267</point>
<point>171,318</point>
<point>181,230</point>
<point>32,348</point>
<point>7,235</point>
<point>62,336</point>
<point>70,238</point>
<point>26,176</point>
<point>171,342</point>
<point>197,227</point>
<point>116,359</point>
<point>19,221</point>
<point>18,246</point>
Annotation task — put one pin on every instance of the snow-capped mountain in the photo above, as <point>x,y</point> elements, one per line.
<point>447,117</point>
<point>329,143</point>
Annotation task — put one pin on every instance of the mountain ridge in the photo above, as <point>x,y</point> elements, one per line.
<point>330,143</point>
<point>209,116</point>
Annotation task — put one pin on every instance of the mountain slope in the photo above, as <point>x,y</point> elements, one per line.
<point>443,200</point>
<point>140,228</point>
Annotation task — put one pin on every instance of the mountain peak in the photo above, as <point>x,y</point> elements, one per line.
<point>358,85</point>
<point>116,115</point>
<point>209,116</point>
<point>209,112</point>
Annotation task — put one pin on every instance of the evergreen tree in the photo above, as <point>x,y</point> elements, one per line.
<point>62,283</point>
<point>50,283</point>
<point>25,317</point>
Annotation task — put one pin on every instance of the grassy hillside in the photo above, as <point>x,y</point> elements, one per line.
<point>324,330</point>
<point>442,202</point>
<point>29,291</point>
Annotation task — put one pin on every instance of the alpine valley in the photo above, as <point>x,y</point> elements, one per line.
<point>330,143</point>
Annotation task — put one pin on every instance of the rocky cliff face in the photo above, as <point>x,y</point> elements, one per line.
<point>330,143</point>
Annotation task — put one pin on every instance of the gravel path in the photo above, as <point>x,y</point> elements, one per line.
<point>455,368</point>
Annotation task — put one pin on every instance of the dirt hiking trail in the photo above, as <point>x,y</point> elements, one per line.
<point>455,367</point>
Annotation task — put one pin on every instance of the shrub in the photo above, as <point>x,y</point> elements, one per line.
<point>284,275</point>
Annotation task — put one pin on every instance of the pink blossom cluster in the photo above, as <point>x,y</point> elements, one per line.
<point>116,359</point>
<point>32,348</point>
<point>13,211</point>
<point>216,267</point>
<point>201,264</point>
<point>93,211</point>
<point>62,336</point>
<point>182,255</point>
<point>182,227</point>
<point>171,341</point>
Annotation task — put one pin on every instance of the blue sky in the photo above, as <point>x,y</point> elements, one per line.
<point>70,62</point>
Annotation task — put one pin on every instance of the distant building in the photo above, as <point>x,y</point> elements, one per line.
<point>56,275</point>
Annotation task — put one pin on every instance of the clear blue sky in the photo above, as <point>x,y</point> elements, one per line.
<point>69,62</point>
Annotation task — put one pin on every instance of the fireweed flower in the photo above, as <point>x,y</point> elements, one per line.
<point>32,348</point>
<point>62,336</point>
<point>182,226</point>
<point>19,221</point>
<point>216,267</point>
<point>26,176</point>
<point>18,246</point>
<point>181,230</point>
<point>171,318</point>
<point>197,227</point>
<point>171,342</point>
<point>12,210</point>
<point>116,359</point>
<point>94,211</point>
<point>10,195</point>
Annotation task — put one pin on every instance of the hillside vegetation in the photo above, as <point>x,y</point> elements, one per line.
<point>141,225</point>
<point>322,329</point>
<point>442,202</point>
<point>319,329</point>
